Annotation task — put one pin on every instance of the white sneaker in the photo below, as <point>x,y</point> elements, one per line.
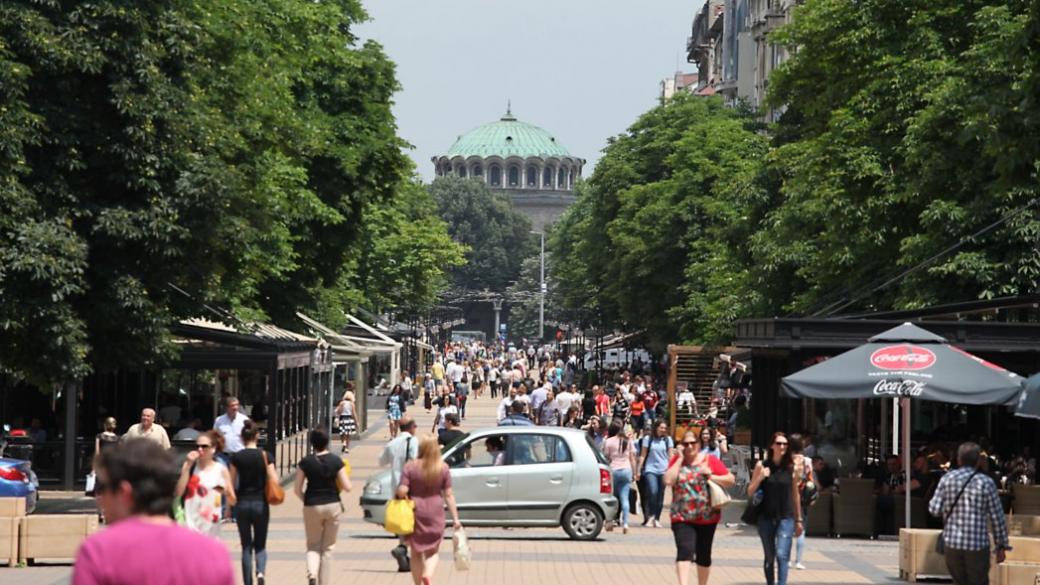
<point>799,566</point>
<point>657,523</point>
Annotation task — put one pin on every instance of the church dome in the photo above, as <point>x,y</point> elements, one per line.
<point>507,137</point>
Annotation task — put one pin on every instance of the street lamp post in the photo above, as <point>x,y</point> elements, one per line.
<point>541,290</point>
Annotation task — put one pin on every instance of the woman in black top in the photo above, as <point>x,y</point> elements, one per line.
<point>588,406</point>
<point>319,472</point>
<point>249,472</point>
<point>780,519</point>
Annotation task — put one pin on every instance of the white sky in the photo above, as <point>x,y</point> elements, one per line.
<point>582,69</point>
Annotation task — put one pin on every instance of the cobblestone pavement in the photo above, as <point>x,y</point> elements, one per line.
<point>524,556</point>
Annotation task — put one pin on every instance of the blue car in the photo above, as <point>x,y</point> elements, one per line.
<point>17,480</point>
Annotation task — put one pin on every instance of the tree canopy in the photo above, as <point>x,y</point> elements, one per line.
<point>232,150</point>
<point>901,173</point>
<point>497,237</point>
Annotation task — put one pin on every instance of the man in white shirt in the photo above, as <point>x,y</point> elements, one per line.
<point>147,429</point>
<point>493,380</point>
<point>503,406</point>
<point>400,450</point>
<point>230,426</point>
<point>566,398</point>
<point>454,373</point>
<point>538,396</point>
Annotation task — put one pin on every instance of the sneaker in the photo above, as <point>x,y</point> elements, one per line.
<point>799,566</point>
<point>624,529</point>
<point>645,522</point>
<point>312,581</point>
<point>260,579</point>
<point>657,523</point>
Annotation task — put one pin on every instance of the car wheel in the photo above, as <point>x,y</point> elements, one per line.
<point>583,521</point>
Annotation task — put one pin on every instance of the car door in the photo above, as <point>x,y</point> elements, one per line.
<point>542,468</point>
<point>480,480</point>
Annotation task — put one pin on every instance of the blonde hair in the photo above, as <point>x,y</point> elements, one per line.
<point>429,460</point>
<point>348,395</point>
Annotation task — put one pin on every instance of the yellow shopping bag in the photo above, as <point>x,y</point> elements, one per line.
<point>346,468</point>
<point>400,517</point>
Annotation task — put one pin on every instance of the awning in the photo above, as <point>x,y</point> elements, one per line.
<point>340,344</point>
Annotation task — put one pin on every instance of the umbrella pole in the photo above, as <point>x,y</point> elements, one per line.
<point>906,458</point>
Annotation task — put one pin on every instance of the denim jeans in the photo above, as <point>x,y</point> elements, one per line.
<point>655,494</point>
<point>776,535</point>
<point>253,518</point>
<point>799,545</point>
<point>622,485</point>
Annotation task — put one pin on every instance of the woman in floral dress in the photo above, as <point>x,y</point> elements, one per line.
<point>693,518</point>
<point>395,407</point>
<point>204,483</point>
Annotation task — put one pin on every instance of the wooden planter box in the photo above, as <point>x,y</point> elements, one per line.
<point>12,507</point>
<point>54,537</point>
<point>1015,573</point>
<point>917,556</point>
<point>9,540</point>
<point>1023,525</point>
<point>821,516</point>
<point>742,438</point>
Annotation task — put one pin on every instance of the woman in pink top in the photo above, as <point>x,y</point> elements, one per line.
<point>134,489</point>
<point>618,450</point>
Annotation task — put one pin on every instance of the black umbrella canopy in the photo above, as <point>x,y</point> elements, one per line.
<point>1029,401</point>
<point>906,361</point>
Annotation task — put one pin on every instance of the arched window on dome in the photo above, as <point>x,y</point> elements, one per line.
<point>547,178</point>
<point>478,171</point>
<point>572,175</point>
<point>461,171</point>
<point>561,182</point>
<point>514,176</point>
<point>496,175</point>
<point>532,176</point>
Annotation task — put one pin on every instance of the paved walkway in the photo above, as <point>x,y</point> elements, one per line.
<point>524,556</point>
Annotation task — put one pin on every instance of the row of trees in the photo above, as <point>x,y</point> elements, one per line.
<point>241,152</point>
<point>901,173</point>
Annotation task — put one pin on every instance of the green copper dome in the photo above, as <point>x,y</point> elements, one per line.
<point>507,137</point>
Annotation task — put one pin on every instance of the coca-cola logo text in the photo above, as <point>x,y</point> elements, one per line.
<point>903,357</point>
<point>899,388</point>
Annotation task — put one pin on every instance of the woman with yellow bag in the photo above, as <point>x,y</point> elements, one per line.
<point>427,482</point>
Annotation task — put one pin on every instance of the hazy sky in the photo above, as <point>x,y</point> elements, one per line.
<point>581,69</point>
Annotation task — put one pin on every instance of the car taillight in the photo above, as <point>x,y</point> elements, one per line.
<point>605,483</point>
<point>11,474</point>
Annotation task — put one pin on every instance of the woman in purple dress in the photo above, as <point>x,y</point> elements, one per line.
<point>427,482</point>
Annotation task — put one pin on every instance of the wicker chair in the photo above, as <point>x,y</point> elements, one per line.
<point>854,507</point>
<point>1026,500</point>
<point>918,512</point>
<point>821,514</point>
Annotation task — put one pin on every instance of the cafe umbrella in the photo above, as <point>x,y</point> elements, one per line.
<point>1029,401</point>
<point>908,363</point>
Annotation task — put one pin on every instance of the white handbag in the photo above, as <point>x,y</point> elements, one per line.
<point>462,554</point>
<point>719,497</point>
<point>91,479</point>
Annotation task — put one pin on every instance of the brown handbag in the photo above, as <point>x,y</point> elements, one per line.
<point>273,491</point>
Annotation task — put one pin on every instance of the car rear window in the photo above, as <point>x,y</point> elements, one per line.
<point>599,456</point>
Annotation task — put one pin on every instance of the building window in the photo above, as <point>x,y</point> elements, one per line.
<point>478,170</point>
<point>496,176</point>
<point>547,178</point>
<point>532,176</point>
<point>461,170</point>
<point>514,176</point>
<point>562,181</point>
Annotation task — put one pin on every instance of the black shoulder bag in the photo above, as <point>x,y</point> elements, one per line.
<point>940,546</point>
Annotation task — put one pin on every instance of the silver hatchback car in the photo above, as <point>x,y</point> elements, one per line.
<point>520,476</point>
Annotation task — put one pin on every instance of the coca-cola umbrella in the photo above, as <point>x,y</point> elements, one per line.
<point>1029,401</point>
<point>909,363</point>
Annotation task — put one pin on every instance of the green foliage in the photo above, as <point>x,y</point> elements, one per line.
<point>909,127</point>
<point>232,149</point>
<point>497,237</point>
<point>647,243</point>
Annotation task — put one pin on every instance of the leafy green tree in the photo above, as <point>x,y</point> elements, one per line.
<point>908,128</point>
<point>229,149</point>
<point>498,238</point>
<point>652,232</point>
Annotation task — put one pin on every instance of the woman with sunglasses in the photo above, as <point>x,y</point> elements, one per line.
<point>780,518</point>
<point>693,518</point>
<point>204,483</point>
